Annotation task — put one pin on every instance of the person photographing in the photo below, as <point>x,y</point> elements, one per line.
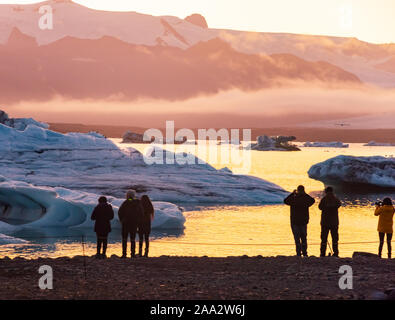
<point>385,211</point>
<point>300,202</point>
<point>329,206</point>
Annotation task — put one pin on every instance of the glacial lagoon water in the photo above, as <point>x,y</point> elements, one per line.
<point>234,230</point>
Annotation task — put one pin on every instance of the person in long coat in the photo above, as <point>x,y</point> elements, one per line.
<point>102,215</point>
<point>145,225</point>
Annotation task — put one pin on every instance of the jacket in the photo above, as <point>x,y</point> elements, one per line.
<point>329,206</point>
<point>300,204</point>
<point>386,214</point>
<point>131,212</point>
<point>102,215</point>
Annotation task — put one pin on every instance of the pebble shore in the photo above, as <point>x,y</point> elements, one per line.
<point>195,278</point>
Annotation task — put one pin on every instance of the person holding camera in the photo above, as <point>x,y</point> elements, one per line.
<point>300,202</point>
<point>385,210</point>
<point>329,206</point>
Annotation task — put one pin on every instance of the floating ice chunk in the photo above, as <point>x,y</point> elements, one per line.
<point>379,144</point>
<point>376,172</point>
<point>334,144</point>
<point>23,204</point>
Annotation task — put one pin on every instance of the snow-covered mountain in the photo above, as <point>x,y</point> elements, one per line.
<point>371,63</point>
<point>74,20</point>
<point>107,67</point>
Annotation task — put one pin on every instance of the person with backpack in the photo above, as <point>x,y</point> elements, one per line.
<point>145,225</point>
<point>102,215</point>
<point>385,211</point>
<point>300,202</point>
<point>130,215</point>
<point>329,206</point>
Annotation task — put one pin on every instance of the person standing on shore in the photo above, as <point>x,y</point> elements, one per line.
<point>102,215</point>
<point>329,206</point>
<point>300,202</point>
<point>145,225</point>
<point>385,211</point>
<point>130,214</point>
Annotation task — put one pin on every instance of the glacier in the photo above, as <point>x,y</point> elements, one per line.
<point>369,172</point>
<point>91,163</point>
<point>25,205</point>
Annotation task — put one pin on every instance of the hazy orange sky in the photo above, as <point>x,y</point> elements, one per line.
<point>368,20</point>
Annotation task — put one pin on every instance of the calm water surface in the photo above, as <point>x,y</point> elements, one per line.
<point>237,230</point>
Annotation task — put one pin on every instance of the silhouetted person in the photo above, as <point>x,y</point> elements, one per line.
<point>385,211</point>
<point>145,226</point>
<point>329,206</point>
<point>130,214</point>
<point>300,203</point>
<point>102,215</point>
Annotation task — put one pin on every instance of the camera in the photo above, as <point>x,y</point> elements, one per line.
<point>379,203</point>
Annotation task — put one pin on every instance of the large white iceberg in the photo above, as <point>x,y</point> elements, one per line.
<point>92,163</point>
<point>22,204</point>
<point>378,172</point>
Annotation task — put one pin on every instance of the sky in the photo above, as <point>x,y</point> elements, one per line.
<point>367,20</point>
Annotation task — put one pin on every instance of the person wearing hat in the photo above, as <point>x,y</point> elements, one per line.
<point>329,206</point>
<point>102,215</point>
<point>130,215</point>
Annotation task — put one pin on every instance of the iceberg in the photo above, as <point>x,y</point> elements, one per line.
<point>131,137</point>
<point>91,163</point>
<point>379,144</point>
<point>22,204</point>
<point>277,143</point>
<point>334,144</point>
<point>20,123</point>
<point>370,172</point>
<point>4,240</point>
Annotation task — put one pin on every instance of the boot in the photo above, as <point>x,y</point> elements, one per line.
<point>124,247</point>
<point>141,248</point>
<point>389,251</point>
<point>133,250</point>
